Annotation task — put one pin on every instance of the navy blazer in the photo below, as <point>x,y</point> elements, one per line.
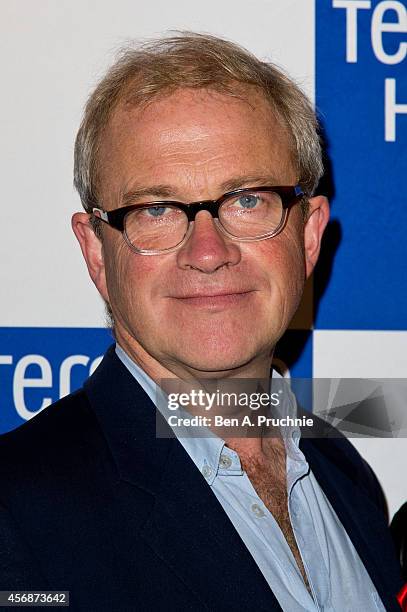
<point>92,502</point>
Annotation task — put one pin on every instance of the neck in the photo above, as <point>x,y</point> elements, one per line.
<point>248,379</point>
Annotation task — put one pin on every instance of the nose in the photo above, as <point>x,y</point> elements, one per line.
<point>207,249</point>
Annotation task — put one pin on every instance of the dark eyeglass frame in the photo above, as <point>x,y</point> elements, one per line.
<point>290,195</point>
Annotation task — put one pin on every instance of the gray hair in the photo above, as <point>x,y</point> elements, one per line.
<point>190,60</point>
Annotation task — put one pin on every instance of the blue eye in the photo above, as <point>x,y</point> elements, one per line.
<point>248,200</point>
<point>156,211</point>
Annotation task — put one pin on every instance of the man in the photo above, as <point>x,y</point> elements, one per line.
<point>196,164</point>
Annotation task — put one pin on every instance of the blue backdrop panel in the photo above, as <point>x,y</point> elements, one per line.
<point>367,243</point>
<point>38,365</point>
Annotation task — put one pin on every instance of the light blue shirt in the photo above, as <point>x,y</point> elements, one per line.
<point>337,577</point>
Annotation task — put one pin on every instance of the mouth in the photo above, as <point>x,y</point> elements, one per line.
<point>213,300</point>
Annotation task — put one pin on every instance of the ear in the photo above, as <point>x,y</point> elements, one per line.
<point>317,219</point>
<point>92,251</point>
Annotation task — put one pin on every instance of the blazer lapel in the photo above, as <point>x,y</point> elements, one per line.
<point>191,532</point>
<point>187,528</point>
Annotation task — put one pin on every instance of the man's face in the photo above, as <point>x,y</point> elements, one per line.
<point>196,145</point>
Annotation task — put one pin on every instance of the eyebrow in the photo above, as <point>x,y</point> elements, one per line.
<point>251,180</point>
<point>154,192</point>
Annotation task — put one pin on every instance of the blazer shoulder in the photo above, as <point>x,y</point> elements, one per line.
<point>63,431</point>
<point>48,422</point>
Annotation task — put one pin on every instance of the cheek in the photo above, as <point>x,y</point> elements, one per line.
<point>129,278</point>
<point>283,264</point>
<point>282,260</point>
<point>293,251</point>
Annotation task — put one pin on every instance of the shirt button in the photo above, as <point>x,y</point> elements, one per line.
<point>207,471</point>
<point>256,509</point>
<point>225,461</point>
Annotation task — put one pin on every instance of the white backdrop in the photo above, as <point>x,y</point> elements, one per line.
<point>53,52</point>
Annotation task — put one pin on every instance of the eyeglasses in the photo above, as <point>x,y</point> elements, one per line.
<point>153,228</point>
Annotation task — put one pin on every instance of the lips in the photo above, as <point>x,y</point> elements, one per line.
<point>222,298</point>
<point>214,294</point>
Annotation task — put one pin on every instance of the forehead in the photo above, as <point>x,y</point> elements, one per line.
<point>196,136</point>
